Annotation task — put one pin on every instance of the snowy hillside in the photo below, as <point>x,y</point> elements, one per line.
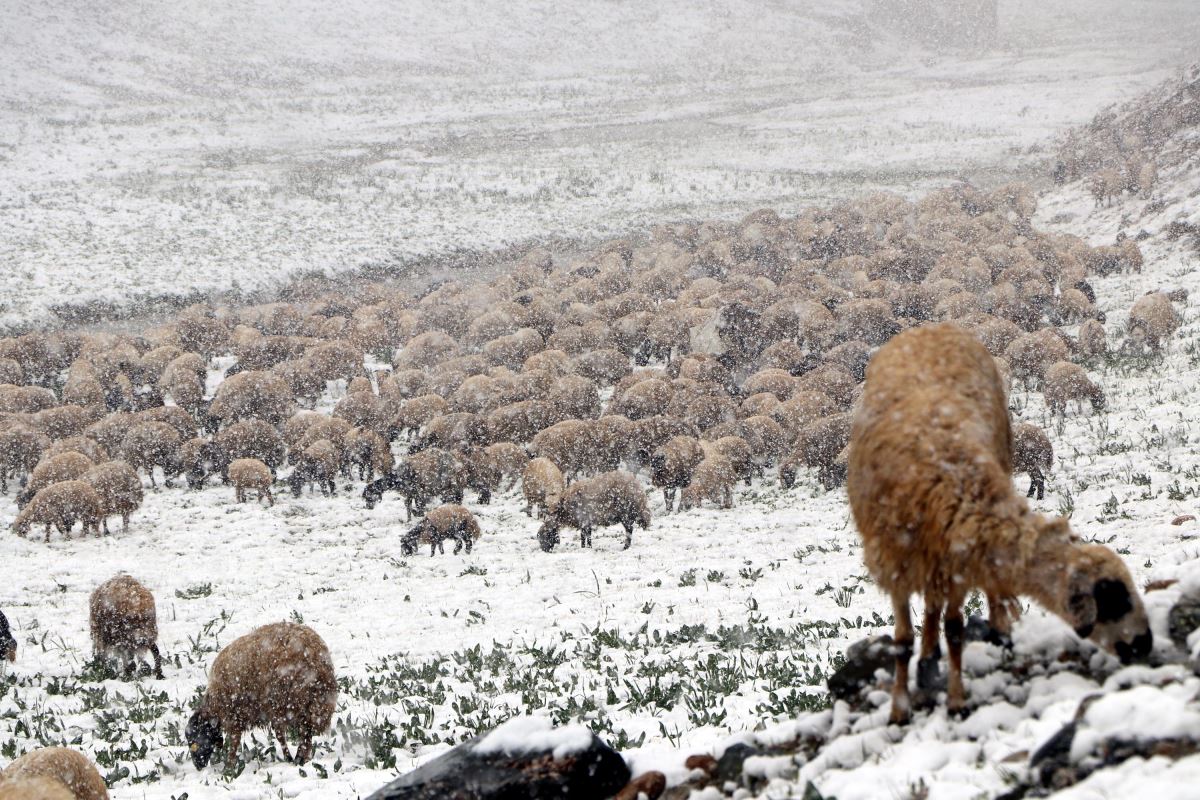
<point>160,148</point>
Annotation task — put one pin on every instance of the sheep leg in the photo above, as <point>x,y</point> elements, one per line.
<point>628,535</point>
<point>669,498</point>
<point>235,745</point>
<point>904,650</point>
<point>270,497</point>
<point>107,532</point>
<point>157,661</point>
<point>124,522</point>
<point>955,636</point>
<point>931,651</point>
<point>304,749</point>
<point>237,492</point>
<point>47,532</point>
<point>281,734</point>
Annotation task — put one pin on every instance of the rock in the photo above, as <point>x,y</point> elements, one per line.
<point>1159,585</point>
<point>863,659</point>
<point>731,762</point>
<point>1183,618</point>
<point>703,762</point>
<point>523,758</point>
<point>1182,518</point>
<point>651,784</point>
<point>1052,761</point>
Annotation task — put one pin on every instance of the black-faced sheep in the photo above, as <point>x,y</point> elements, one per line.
<point>250,473</point>
<point>510,458</point>
<point>279,676</point>
<point>252,394</point>
<point>542,485</point>
<point>931,493</point>
<point>61,505</point>
<point>55,767</point>
<point>1032,453</point>
<point>248,438</point>
<point>1092,340</point>
<point>1066,382</point>
<point>421,477</point>
<point>119,489</point>
<point>442,523</point>
<point>317,463</point>
<point>607,499</point>
<point>124,622</point>
<point>672,464</point>
<point>370,452</point>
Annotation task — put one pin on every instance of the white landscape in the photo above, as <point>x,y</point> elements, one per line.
<point>151,150</point>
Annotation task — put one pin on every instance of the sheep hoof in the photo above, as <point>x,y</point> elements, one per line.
<point>899,716</point>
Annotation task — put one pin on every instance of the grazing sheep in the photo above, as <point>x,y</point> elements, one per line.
<point>8,645</point>
<point>119,489</point>
<point>542,484</point>
<point>1105,185</point>
<point>482,474</point>
<point>110,430</point>
<point>252,394</point>
<point>54,469</point>
<point>736,450</point>
<point>1066,382</point>
<point>520,421</point>
<point>153,444</point>
<point>451,431</point>
<point>574,397</point>
<point>442,523</point>
<point>197,458</point>
<point>643,399</point>
<point>61,505</point>
<point>25,399</point>
<point>124,622</point>
<point>248,438</point>
<point>1093,342</point>
<point>672,464</point>
<point>766,438</point>
<point>1032,453</point>
<point>421,477</point>
<point>63,421</point>
<point>1152,320</point>
<point>36,787</point>
<point>78,444</point>
<point>178,418</point>
<point>712,479</point>
<point>21,448</point>
<point>819,446</point>
<point>567,444</point>
<point>250,473</point>
<point>607,499</point>
<point>370,452</point>
<point>59,766</point>
<point>931,493</point>
<point>317,463</point>
<point>510,458</point>
<point>279,676</point>
<point>1030,354</point>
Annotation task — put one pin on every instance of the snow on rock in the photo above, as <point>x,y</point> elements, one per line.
<point>532,734</point>
<point>1143,713</point>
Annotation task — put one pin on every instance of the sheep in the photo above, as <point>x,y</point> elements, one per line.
<point>737,450</point>
<point>442,523</point>
<point>60,505</point>
<point>62,467</point>
<point>1066,382</point>
<point>36,787</point>
<point>279,676</point>
<point>197,458</point>
<point>179,419</point>
<point>574,397</point>
<point>336,431</point>
<point>420,477</point>
<point>25,399</point>
<point>248,438</point>
<point>361,410</point>
<point>672,464</point>
<point>604,366</point>
<point>77,444</point>
<point>542,484</point>
<point>370,452</point>
<point>119,489</point>
<point>510,458</point>
<point>8,645</point>
<point>567,444</point>
<point>643,399</point>
<point>931,494</point>
<point>609,443</point>
<point>63,421</point>
<point>252,394</point>
<point>124,623</point>
<point>819,445</point>
<point>481,473</point>
<point>778,382</point>
<point>1152,320</point>
<point>21,448</point>
<point>415,413</point>
<point>450,431</point>
<point>58,767</point>
<point>110,430</point>
<point>1105,185</point>
<point>1032,453</point>
<point>250,473</point>
<point>766,438</point>
<point>1092,340</point>
<point>1030,354</point>
<point>607,499</point>
<point>652,432</point>
<point>712,479</point>
<point>317,463</point>
<point>153,444</point>
<point>520,421</point>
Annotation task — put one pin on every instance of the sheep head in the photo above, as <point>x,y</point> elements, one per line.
<point>203,737</point>
<point>410,540</point>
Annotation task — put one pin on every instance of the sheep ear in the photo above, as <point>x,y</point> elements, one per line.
<point>1112,600</point>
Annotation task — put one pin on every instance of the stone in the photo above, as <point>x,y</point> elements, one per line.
<point>732,761</point>
<point>1182,518</point>
<point>1183,618</point>
<point>651,784</point>
<point>863,659</point>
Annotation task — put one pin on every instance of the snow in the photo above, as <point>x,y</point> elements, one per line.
<point>535,734</point>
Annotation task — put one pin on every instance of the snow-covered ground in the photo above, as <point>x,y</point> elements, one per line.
<point>159,148</point>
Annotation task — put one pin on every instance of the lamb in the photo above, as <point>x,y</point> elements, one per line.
<point>931,493</point>
<point>153,444</point>
<point>60,505</point>
<point>542,484</point>
<point>819,445</point>
<point>21,448</point>
<point>318,463</point>
<point>124,623</point>
<point>1032,453</point>
<point>57,767</point>
<point>672,464</point>
<point>119,489</point>
<point>607,499</point>
<point>442,523</point>
<point>1066,382</point>
<point>279,676</point>
<point>712,479</point>
<point>250,473</point>
<point>1152,320</point>
<point>63,467</point>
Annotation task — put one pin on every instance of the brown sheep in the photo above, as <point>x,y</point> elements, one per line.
<point>819,445</point>
<point>766,438</point>
<point>1030,354</point>
<point>1105,185</point>
<point>252,394</point>
<point>521,421</point>
<point>451,431</point>
<point>78,444</point>
<point>931,493</point>
<point>607,499</point>
<point>575,397</point>
<point>542,485</point>
<point>318,463</point>
<point>63,421</point>
<point>370,452</point>
<point>119,489</point>
<point>414,413</point>
<point>1152,320</point>
<point>60,766</point>
<point>713,480</point>
<point>153,444</point>
<point>1092,340</point>
<point>63,467</point>
<point>110,430</point>
<point>609,445</point>
<point>336,431</point>
<point>736,450</point>
<point>361,410</point>
<point>774,381</point>
<point>425,350</point>
<point>512,350</point>
<point>653,432</point>
<point>25,399</point>
<point>35,787</point>
<point>279,676</point>
<point>442,523</point>
<point>11,372</point>
<point>250,473</point>
<point>567,444</point>
<point>124,622</point>
<point>60,505</point>
<point>643,399</point>
<point>483,475</point>
<point>248,438</point>
<point>1032,453</point>
<point>21,448</point>
<point>802,409</point>
<point>510,458</point>
<point>761,404</point>
<point>421,477</point>
<point>1066,382</point>
<point>603,367</point>
<point>672,464</point>
<point>178,418</point>
<point>333,360</point>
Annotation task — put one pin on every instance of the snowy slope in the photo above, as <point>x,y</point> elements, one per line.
<point>176,146</point>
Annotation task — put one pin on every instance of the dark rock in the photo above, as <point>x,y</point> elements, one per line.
<point>652,784</point>
<point>979,629</point>
<point>1183,619</point>
<point>1053,758</point>
<point>731,762</point>
<point>595,773</point>
<point>863,659</point>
